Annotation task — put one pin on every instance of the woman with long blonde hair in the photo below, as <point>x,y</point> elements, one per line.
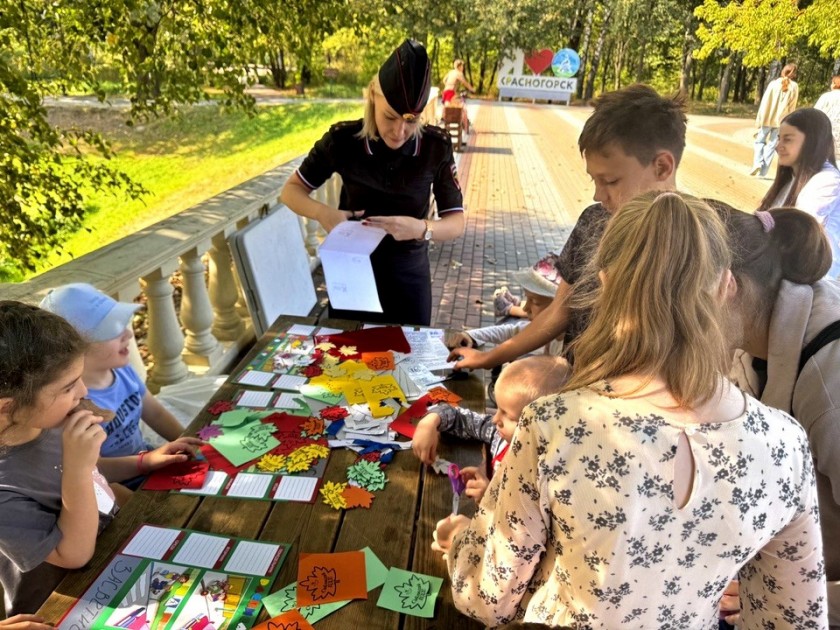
<point>389,162</point>
<point>632,497</point>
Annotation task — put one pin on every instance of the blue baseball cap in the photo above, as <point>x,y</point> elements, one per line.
<point>96,316</point>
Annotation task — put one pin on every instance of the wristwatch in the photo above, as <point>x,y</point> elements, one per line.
<point>427,235</point>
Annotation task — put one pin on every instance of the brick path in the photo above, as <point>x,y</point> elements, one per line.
<point>521,203</point>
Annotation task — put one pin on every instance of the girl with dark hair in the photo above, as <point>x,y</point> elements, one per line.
<point>781,305</point>
<point>778,101</point>
<point>807,177</point>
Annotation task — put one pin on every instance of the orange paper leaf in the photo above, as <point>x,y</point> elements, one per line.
<point>441,394</point>
<point>378,361</point>
<point>289,620</point>
<point>357,497</point>
<point>330,577</point>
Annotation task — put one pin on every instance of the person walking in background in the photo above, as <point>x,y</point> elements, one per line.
<point>778,101</point>
<point>829,103</point>
<point>807,177</point>
<point>452,79</point>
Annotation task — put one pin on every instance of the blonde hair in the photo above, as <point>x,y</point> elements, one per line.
<point>534,377</point>
<point>369,129</point>
<point>659,313</point>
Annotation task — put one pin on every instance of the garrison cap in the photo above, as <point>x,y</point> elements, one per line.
<point>405,79</point>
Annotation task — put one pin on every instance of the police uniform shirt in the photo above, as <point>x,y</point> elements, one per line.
<point>387,182</point>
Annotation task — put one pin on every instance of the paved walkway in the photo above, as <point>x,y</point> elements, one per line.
<point>525,185</point>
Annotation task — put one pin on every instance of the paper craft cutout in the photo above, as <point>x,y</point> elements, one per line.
<point>301,330</point>
<point>382,387</point>
<point>213,484</point>
<point>441,394</point>
<point>348,351</point>
<point>220,406</point>
<point>178,476</point>
<point>289,382</point>
<point>210,431</point>
<point>367,475</point>
<point>289,620</point>
<point>250,398</point>
<point>379,361</point>
<point>384,408</point>
<point>410,593</point>
<point>357,497</point>
<point>333,494</point>
<point>246,444</point>
<point>333,413</point>
<point>406,422</point>
<point>377,339</point>
<point>376,572</point>
<point>311,371</point>
<point>237,418</point>
<point>272,463</point>
<point>326,346</point>
<point>319,391</point>
<point>286,599</point>
<point>331,577</point>
<point>255,377</point>
<point>313,426</point>
<point>354,393</point>
<point>220,462</point>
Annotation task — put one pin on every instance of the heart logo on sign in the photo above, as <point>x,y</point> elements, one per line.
<point>540,60</point>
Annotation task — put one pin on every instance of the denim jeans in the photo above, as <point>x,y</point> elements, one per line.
<point>765,146</point>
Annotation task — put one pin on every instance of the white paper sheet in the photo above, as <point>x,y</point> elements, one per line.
<point>255,377</point>
<point>329,331</point>
<point>151,542</point>
<point>287,401</point>
<point>249,485</point>
<point>296,489</point>
<point>301,330</point>
<point>289,382</point>
<point>254,399</point>
<point>201,550</point>
<point>251,558</point>
<point>345,258</point>
<point>213,483</point>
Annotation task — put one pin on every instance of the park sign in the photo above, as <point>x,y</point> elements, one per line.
<point>514,83</point>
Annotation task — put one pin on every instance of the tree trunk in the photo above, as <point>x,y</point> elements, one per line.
<point>703,75</point>
<point>584,49</point>
<point>607,63</point>
<point>596,58</point>
<point>723,91</point>
<point>687,58</point>
<point>277,65</point>
<point>618,65</point>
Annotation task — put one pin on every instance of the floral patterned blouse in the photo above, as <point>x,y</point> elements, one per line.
<point>579,526</point>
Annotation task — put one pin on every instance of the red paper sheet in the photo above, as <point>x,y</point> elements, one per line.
<point>218,461</point>
<point>406,422</point>
<point>370,339</point>
<point>331,577</point>
<point>187,475</point>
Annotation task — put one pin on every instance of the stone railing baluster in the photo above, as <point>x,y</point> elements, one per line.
<point>166,341</point>
<point>202,348</point>
<point>227,324</point>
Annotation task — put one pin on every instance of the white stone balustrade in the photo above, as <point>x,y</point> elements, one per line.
<point>209,332</point>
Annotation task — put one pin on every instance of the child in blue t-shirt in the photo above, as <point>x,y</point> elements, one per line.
<point>111,382</point>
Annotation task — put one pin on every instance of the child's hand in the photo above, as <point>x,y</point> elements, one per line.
<point>425,440</point>
<point>476,482</point>
<point>181,450</point>
<point>24,622</point>
<point>81,440</point>
<point>445,531</point>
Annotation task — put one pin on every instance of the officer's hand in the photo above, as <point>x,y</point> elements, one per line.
<point>401,228</point>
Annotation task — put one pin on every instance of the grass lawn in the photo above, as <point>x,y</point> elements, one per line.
<point>187,159</point>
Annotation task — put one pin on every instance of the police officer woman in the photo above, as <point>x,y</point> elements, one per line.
<point>388,163</point>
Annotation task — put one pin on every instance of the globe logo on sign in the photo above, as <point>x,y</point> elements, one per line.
<point>565,63</point>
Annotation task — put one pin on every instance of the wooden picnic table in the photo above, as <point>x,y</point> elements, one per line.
<point>398,527</point>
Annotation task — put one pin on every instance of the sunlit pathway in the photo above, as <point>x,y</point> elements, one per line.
<point>525,185</point>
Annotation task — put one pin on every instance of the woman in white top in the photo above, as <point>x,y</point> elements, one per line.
<point>830,104</point>
<point>452,79</point>
<point>778,101</point>
<point>630,498</point>
<point>807,177</point>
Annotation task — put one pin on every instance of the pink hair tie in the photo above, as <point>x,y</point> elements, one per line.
<point>767,220</point>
